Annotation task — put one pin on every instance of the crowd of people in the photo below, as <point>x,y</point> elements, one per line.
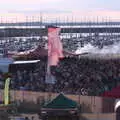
<point>87,76</point>
<point>73,75</point>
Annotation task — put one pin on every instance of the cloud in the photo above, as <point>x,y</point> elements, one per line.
<point>28,1</point>
<point>101,15</point>
<point>46,11</point>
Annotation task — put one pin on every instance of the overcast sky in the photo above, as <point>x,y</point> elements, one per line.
<point>17,10</point>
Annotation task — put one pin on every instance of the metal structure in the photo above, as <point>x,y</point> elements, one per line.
<point>27,35</point>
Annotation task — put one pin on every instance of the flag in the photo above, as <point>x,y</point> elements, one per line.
<point>6,91</point>
<point>55,51</point>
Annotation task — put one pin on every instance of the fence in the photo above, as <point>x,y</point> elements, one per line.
<point>89,104</point>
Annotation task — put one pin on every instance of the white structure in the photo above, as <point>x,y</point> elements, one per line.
<point>25,62</point>
<point>117,104</point>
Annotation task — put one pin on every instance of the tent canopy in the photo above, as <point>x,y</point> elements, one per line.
<point>114,93</point>
<point>61,102</point>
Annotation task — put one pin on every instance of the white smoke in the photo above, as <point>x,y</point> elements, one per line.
<point>111,49</point>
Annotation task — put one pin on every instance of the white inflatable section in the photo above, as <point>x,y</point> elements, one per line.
<point>117,104</point>
<point>25,62</point>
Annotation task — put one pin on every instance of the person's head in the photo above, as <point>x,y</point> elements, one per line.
<point>26,118</point>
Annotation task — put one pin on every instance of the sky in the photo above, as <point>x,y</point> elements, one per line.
<point>59,10</point>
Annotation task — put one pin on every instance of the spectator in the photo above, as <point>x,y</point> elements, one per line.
<point>73,76</point>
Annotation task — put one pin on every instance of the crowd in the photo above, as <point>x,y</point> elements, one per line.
<point>73,75</point>
<point>86,76</point>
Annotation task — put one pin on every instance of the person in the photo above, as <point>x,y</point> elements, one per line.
<point>32,118</point>
<point>26,118</point>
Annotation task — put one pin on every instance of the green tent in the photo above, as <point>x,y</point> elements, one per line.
<point>60,108</point>
<point>61,102</point>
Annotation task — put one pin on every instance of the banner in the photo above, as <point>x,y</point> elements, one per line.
<point>6,91</point>
<point>55,51</point>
